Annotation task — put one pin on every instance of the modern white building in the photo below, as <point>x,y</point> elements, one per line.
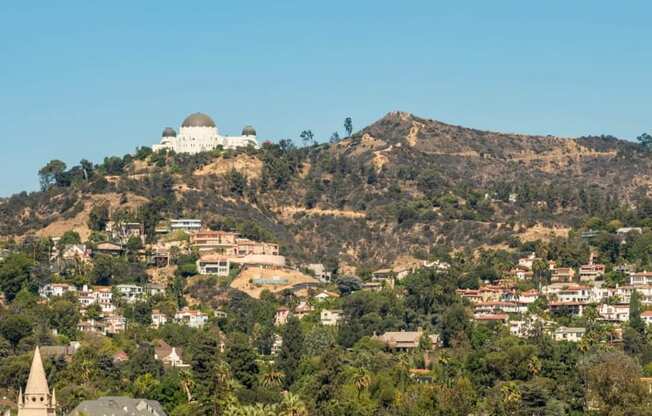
<point>569,334</point>
<point>56,289</point>
<point>199,133</point>
<point>185,224</point>
<point>331,317</point>
<point>191,318</point>
<point>131,293</point>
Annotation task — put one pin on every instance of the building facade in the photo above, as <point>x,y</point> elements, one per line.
<point>199,133</point>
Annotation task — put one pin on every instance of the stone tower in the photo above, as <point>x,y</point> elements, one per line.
<point>37,400</point>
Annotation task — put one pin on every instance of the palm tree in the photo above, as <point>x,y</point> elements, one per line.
<point>534,365</point>
<point>187,383</point>
<point>293,406</point>
<point>272,377</point>
<point>361,380</point>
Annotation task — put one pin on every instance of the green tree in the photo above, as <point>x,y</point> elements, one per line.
<point>64,317</point>
<point>454,323</point>
<point>614,385</point>
<point>645,140</point>
<point>15,274</point>
<point>348,126</point>
<point>307,136</point>
<point>635,320</point>
<point>98,217</point>
<point>14,328</point>
<point>68,238</point>
<point>237,182</point>
<point>242,359</point>
<point>291,350</point>
<point>49,173</point>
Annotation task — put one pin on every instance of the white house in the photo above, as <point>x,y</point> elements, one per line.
<point>647,317</point>
<point>213,264</point>
<point>185,224</point>
<point>101,295</point>
<point>158,319</point>
<point>569,334</point>
<point>325,295</point>
<point>331,317</point>
<point>640,278</point>
<point>199,133</point>
<point>131,293</point>
<point>191,318</point>
<point>56,289</point>
<point>617,313</point>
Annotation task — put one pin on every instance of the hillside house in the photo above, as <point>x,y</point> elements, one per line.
<point>72,252</point>
<point>491,317</point>
<point>153,289</point>
<point>320,272</point>
<point>529,296</point>
<point>570,334</point>
<point>108,249</point>
<point>302,310</point>
<point>572,308</point>
<point>101,295</point>
<point>325,295</point>
<point>191,318</point>
<point>473,295</point>
<point>520,273</point>
<point>114,324</point>
<point>169,356</point>
<point>640,278</point>
<point>158,318</point>
<point>562,274</point>
<point>331,317</point>
<point>188,225</point>
<point>91,326</point>
<point>496,307</point>
<point>124,231</point>
<point>372,286</point>
<point>624,293</point>
<point>527,326</point>
<point>647,316</point>
<point>56,289</point>
<point>528,261</point>
<point>590,272</point>
<point>216,264</point>
<point>130,293</point>
<point>406,340</point>
<point>614,313</point>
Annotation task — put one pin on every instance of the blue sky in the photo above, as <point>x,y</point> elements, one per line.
<point>86,79</point>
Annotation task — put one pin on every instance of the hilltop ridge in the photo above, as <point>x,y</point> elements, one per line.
<point>400,186</point>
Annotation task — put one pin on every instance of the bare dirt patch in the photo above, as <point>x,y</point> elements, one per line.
<point>79,222</point>
<point>541,232</point>
<point>289,211</point>
<point>245,164</point>
<point>253,280</point>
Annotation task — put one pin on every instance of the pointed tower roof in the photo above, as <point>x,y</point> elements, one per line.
<point>37,383</point>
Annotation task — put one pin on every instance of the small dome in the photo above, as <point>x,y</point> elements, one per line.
<point>198,120</point>
<point>169,132</point>
<point>248,131</point>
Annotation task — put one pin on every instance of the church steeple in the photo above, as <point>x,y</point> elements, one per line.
<point>37,383</point>
<point>37,400</point>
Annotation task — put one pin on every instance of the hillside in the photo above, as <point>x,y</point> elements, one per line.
<point>401,186</point>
